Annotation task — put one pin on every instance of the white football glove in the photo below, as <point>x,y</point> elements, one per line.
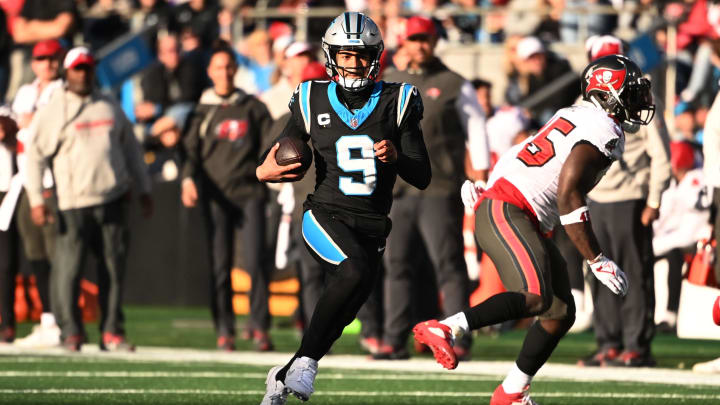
<point>609,274</point>
<point>470,193</point>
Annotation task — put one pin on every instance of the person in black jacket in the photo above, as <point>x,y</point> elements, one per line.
<point>223,146</point>
<point>173,79</point>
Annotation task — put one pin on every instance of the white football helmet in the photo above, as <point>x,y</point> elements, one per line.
<point>353,31</point>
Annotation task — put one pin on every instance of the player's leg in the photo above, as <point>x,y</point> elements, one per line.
<point>253,237</point>
<point>511,240</point>
<point>349,279</point>
<point>542,337</point>
<point>440,224</point>
<point>575,274</point>
<point>401,246</point>
<point>219,220</point>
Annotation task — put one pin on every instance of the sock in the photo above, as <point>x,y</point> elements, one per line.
<point>280,376</point>
<point>47,320</point>
<point>579,298</point>
<point>457,323</point>
<point>536,349</point>
<point>516,380</point>
<point>498,308</point>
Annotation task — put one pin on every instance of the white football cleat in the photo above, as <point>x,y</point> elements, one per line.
<point>41,337</point>
<point>711,367</point>
<point>275,392</point>
<point>300,377</point>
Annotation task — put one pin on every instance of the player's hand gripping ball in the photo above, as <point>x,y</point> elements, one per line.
<point>293,150</point>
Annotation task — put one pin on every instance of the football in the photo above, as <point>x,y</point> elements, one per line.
<point>293,150</point>
<point>716,311</point>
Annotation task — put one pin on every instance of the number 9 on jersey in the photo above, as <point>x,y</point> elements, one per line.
<point>364,163</point>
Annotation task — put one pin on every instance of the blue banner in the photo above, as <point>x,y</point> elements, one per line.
<point>125,58</point>
<point>645,52</point>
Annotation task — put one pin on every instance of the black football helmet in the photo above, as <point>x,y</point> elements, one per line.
<point>616,84</point>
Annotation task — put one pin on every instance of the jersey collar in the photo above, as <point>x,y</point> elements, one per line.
<point>354,121</point>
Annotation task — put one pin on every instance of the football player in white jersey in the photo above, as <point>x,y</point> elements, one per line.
<point>535,185</point>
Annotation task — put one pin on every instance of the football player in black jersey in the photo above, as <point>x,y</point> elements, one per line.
<point>364,132</point>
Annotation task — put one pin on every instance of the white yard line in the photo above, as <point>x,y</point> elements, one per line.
<point>9,354</point>
<point>101,391</point>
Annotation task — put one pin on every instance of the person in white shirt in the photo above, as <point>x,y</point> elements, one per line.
<point>38,242</point>
<point>684,220</point>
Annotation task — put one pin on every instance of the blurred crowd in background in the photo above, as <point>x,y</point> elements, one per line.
<point>536,46</point>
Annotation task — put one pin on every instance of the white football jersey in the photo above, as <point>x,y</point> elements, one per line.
<point>534,166</point>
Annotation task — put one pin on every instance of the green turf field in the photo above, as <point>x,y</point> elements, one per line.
<point>91,378</point>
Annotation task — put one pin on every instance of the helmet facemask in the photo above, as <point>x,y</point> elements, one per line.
<point>365,75</point>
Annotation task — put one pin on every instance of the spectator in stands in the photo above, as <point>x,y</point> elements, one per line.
<point>93,155</point>
<point>105,21</point>
<point>257,66</point>
<point>40,20</point>
<point>297,56</point>
<point>483,91</point>
<point>536,68</point>
<point>597,23</point>
<point>201,17</point>
<point>452,119</point>
<point>39,242</point>
<point>8,233</point>
<point>163,151</point>
<point>6,43</point>
<point>683,221</point>
<point>172,80</point>
<point>633,185</point>
<point>509,126</point>
<point>155,15</point>
<point>223,145</point>
<point>711,167</point>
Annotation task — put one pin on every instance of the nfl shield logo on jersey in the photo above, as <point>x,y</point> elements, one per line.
<point>353,122</point>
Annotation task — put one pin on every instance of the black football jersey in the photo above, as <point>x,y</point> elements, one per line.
<point>348,176</point>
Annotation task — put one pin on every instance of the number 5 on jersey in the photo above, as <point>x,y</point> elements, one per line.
<point>364,163</point>
<point>540,149</point>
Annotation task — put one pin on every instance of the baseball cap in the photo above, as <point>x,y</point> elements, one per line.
<point>528,47</point>
<point>314,71</point>
<point>418,25</point>
<point>279,29</point>
<point>604,45</point>
<point>682,155</point>
<point>297,48</point>
<point>78,56</point>
<point>50,47</point>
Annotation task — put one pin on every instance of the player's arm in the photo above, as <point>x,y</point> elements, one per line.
<point>413,163</point>
<point>578,176</point>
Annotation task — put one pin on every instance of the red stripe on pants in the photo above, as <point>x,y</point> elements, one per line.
<point>518,249</point>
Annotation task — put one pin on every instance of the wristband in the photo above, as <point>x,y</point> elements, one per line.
<point>579,215</point>
<point>597,258</point>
